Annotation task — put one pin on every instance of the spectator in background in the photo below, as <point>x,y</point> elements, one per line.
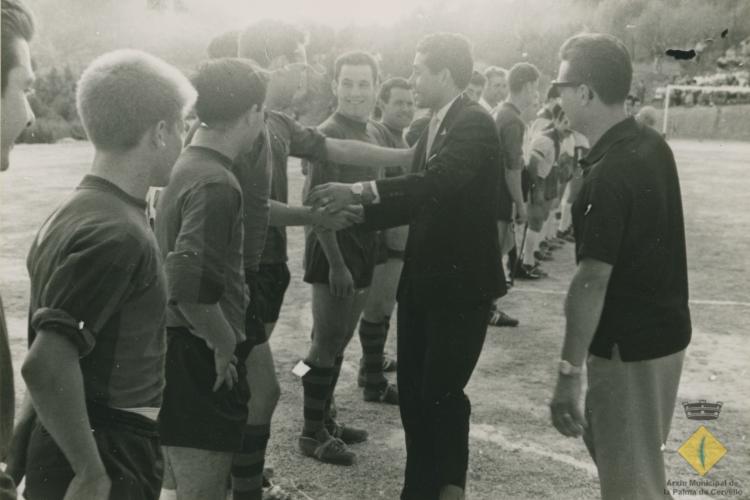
<point>647,115</point>
<point>496,88</point>
<point>476,87</point>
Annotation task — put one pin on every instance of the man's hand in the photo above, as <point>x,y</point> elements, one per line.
<point>226,369</point>
<point>565,407</point>
<point>93,486</point>
<point>336,221</point>
<point>340,282</point>
<point>332,197</point>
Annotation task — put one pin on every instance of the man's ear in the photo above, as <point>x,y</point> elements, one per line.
<point>159,134</point>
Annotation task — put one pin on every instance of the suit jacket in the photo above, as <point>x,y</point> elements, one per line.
<point>449,200</point>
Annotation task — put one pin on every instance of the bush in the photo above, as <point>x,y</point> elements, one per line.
<point>47,130</point>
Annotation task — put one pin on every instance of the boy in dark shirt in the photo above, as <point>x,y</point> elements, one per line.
<point>200,231</point>
<point>95,368</point>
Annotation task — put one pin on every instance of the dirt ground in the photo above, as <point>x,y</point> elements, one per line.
<point>515,452</point>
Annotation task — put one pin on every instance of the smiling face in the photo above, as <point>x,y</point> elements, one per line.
<point>355,91</point>
<point>398,112</point>
<point>17,114</point>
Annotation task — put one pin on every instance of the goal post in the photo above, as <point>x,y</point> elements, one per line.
<point>728,89</point>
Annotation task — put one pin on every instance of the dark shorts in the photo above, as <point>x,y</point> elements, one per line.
<point>128,445</point>
<point>360,252</point>
<point>272,280</point>
<point>192,415</point>
<point>255,330</point>
<point>382,254</point>
<point>551,183</point>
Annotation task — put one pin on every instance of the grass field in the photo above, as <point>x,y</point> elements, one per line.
<point>515,452</point>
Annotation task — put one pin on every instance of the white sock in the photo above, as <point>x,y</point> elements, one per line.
<point>530,246</point>
<point>566,217</point>
<point>550,228</point>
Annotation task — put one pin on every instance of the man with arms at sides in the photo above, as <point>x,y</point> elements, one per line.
<point>17,82</point>
<point>396,104</point>
<point>476,86</point>
<point>339,266</point>
<point>450,275</point>
<point>200,232</point>
<point>95,367</point>
<point>522,79</point>
<point>626,311</point>
<point>495,90</point>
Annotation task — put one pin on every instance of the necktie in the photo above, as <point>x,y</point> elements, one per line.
<point>431,133</point>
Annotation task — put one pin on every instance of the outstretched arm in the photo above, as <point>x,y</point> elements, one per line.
<point>362,154</point>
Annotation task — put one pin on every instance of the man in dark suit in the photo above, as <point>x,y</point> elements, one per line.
<point>451,273</point>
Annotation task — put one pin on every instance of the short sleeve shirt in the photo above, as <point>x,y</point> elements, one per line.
<point>629,215</point>
<point>97,278</point>
<point>543,147</point>
<point>287,138</point>
<point>511,130</point>
<point>200,231</point>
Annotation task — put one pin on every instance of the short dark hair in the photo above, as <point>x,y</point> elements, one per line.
<point>227,88</point>
<point>224,45</point>
<point>356,58</point>
<point>553,92</point>
<point>493,71</point>
<point>17,23</point>
<point>477,78</point>
<point>395,82</point>
<point>601,61</point>
<point>268,39</point>
<point>521,74</point>
<point>449,51</point>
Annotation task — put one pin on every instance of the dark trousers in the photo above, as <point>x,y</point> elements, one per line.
<point>128,445</point>
<point>438,348</point>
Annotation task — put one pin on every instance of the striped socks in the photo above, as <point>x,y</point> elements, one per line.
<point>247,465</point>
<point>316,387</point>
<point>334,380</point>
<point>373,337</point>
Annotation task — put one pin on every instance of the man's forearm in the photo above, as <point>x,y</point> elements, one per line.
<point>52,372</point>
<point>210,324</point>
<point>513,180</point>
<point>583,309</point>
<point>362,154</point>
<point>331,248</point>
<point>16,460</point>
<point>284,215</point>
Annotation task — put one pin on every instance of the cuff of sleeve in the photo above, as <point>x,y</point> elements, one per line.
<point>60,321</point>
<point>376,194</point>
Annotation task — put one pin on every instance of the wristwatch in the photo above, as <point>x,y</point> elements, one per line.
<point>565,368</point>
<point>357,189</point>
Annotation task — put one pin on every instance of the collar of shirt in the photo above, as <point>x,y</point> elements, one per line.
<point>623,130</point>
<point>444,111</point>
<point>508,104</point>
<point>226,161</point>
<point>350,122</point>
<point>91,181</point>
<point>483,102</point>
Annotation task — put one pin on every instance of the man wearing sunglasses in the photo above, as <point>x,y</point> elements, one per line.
<point>626,310</point>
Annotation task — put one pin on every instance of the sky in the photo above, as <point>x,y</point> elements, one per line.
<point>335,13</point>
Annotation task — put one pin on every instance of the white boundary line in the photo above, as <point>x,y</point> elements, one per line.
<point>700,302</point>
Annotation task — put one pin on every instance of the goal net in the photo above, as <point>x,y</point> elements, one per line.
<point>717,95</point>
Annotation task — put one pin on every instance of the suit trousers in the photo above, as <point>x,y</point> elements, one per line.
<point>629,408</point>
<point>438,348</point>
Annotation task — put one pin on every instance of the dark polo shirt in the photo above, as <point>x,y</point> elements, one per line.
<point>511,129</point>
<point>629,215</point>
<point>97,279</point>
<point>287,138</point>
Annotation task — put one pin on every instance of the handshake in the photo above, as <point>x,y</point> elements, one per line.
<point>334,206</point>
<point>328,220</point>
